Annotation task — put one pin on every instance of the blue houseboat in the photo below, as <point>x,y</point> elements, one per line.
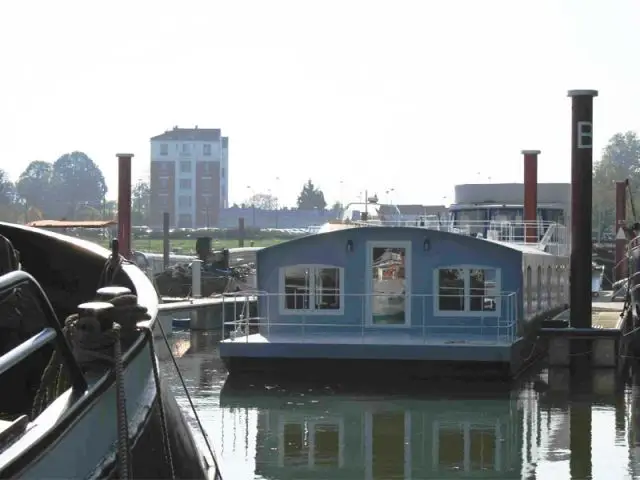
<point>420,301</point>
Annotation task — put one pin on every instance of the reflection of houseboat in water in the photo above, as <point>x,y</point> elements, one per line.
<point>383,438</point>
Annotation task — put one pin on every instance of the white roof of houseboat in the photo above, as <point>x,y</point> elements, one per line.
<point>332,227</point>
<point>521,247</point>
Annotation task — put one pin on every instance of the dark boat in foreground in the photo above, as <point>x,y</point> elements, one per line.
<point>81,394</point>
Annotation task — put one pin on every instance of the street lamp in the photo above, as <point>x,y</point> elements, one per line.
<point>253,203</point>
<point>276,199</point>
<point>388,194</point>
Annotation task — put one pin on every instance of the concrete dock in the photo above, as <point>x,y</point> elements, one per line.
<point>605,314</point>
<point>602,343</point>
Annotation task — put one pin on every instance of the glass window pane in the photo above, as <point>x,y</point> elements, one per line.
<point>483,290</point>
<point>327,291</point>
<point>451,289</point>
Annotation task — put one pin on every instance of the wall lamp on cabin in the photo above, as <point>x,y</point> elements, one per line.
<point>426,245</point>
<point>349,246</point>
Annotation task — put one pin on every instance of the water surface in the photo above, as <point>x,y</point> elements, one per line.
<point>553,425</point>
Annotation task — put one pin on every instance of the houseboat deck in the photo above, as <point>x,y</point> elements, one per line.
<point>375,338</point>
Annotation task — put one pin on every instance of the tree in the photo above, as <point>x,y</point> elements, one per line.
<point>34,186</point>
<point>337,208</point>
<point>7,190</point>
<point>311,198</point>
<point>620,160</point>
<point>140,199</point>
<point>263,201</point>
<point>110,209</point>
<point>76,181</point>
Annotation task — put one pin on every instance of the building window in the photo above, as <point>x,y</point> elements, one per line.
<point>163,183</point>
<point>186,149</point>
<point>184,220</point>
<point>163,201</point>
<point>164,149</point>
<point>206,184</point>
<point>312,288</point>
<point>185,167</point>
<point>184,201</point>
<point>222,173</point>
<point>207,199</point>
<point>471,289</point>
<point>206,149</point>
<point>185,184</point>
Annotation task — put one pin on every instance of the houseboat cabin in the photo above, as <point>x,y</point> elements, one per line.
<point>417,300</point>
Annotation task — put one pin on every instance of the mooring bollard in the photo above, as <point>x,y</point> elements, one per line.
<point>196,269</point>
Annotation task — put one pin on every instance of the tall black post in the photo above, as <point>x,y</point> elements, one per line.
<point>581,197</point>
<point>165,240</point>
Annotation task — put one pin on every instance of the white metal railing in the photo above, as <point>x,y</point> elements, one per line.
<point>417,318</point>
<point>509,231</point>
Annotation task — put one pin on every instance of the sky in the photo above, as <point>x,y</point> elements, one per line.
<point>405,97</point>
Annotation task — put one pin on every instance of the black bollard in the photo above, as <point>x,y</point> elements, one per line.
<point>99,311</point>
<point>105,294</point>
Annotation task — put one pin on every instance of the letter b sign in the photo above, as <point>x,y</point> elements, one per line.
<point>585,135</point>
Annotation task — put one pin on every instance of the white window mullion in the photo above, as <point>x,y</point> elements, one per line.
<point>312,289</point>
<point>467,289</point>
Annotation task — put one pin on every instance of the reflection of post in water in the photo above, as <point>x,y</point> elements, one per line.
<point>240,429</point>
<point>205,344</point>
<point>634,424</point>
<point>203,341</point>
<point>581,384</point>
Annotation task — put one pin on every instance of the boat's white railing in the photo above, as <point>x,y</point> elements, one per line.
<point>538,232</point>
<point>492,318</point>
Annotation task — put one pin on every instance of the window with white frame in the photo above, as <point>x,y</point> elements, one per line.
<point>467,289</point>
<point>527,288</point>
<point>311,443</point>
<point>539,302</point>
<point>206,149</point>
<point>312,288</point>
<point>550,300</point>
<point>164,149</point>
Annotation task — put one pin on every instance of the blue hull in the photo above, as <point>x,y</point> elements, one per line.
<point>500,363</point>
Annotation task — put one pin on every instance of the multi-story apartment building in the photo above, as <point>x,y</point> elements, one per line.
<point>189,176</point>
